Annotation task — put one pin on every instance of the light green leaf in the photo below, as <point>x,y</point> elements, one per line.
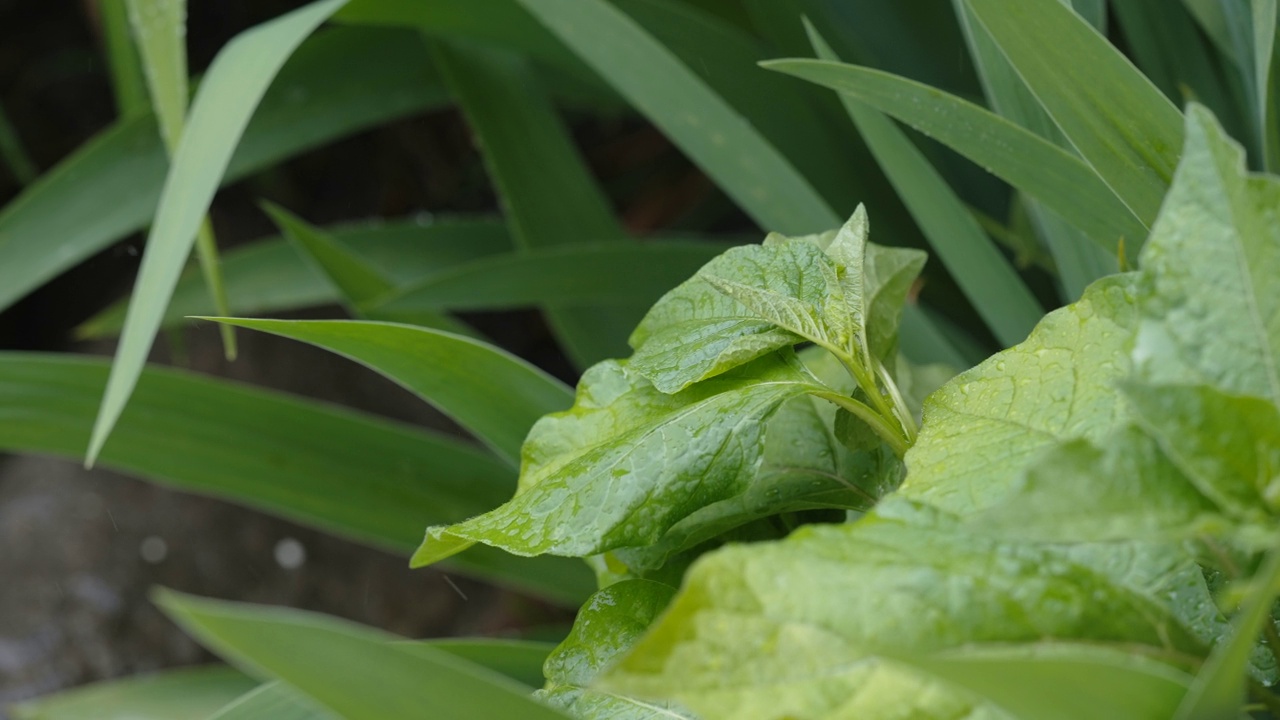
<point>627,462</point>
<point>160,27</point>
<point>490,392</point>
<point>357,280</point>
<point>1208,314</point>
<point>1056,386</point>
<point>338,82</point>
<point>1021,158</point>
<point>352,670</point>
<point>270,276</point>
<point>127,82</point>
<point>272,701</point>
<point>795,628</point>
<point>1119,122</point>
<point>607,626</point>
<point>190,694</point>
<point>347,473</point>
<point>714,135</point>
<point>1061,681</point>
<point>232,88</point>
<point>549,195</point>
<point>586,274</point>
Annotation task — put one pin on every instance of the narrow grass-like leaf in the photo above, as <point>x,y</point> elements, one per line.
<point>550,196</point>
<point>231,91</point>
<point>352,670</point>
<point>127,84</point>
<point>1021,158</point>
<point>985,276</point>
<point>338,82</point>
<point>576,275</point>
<point>13,154</point>
<point>272,701</point>
<point>701,123</point>
<point>1119,122</point>
<point>488,391</point>
<point>357,280</point>
<point>270,276</point>
<point>1264,43</point>
<point>346,473</point>
<point>190,694</point>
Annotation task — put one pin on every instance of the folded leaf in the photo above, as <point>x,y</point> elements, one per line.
<point>607,626</point>
<point>628,462</point>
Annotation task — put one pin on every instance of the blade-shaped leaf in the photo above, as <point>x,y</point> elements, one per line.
<point>338,82</point>
<point>127,82</point>
<point>358,281</point>
<point>190,694</point>
<point>347,473</point>
<point>606,627</point>
<point>490,392</point>
<point>227,98</point>
<point>628,462</point>
<point>1118,121</point>
<point>272,701</point>
<point>1209,314</point>
<point>352,670</point>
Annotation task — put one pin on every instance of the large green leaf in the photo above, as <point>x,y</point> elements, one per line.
<point>272,701</point>
<point>1209,313</point>
<point>627,462</point>
<point>1056,386</point>
<point>271,277</point>
<point>715,136</point>
<point>232,89</point>
<point>490,392</point>
<point>352,670</point>
<point>368,479</point>
<point>1028,162</point>
<point>1119,122</point>
<point>796,628</point>
<point>338,82</point>
<point>191,694</point>
<point>549,195</point>
<point>606,627</point>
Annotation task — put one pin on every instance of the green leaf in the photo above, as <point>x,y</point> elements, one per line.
<point>984,275</point>
<point>346,473</point>
<point>549,195</point>
<point>1056,386</point>
<point>231,90</point>
<point>338,82</point>
<point>490,392</point>
<point>1118,121</point>
<point>270,276</point>
<point>627,462</point>
<point>1061,681</point>
<point>795,628</point>
<point>357,280</point>
<point>190,694</point>
<point>127,83</point>
<point>1208,314</point>
<point>13,153</point>
<point>272,701</point>
<point>1021,158</point>
<point>605,629</point>
<point>715,136</point>
<point>352,670</point>
<point>576,275</point>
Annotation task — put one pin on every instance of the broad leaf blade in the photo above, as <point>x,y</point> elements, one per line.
<point>352,670</point>
<point>231,90</point>
<point>487,390</point>
<point>190,694</point>
<point>272,701</point>
<point>1118,121</point>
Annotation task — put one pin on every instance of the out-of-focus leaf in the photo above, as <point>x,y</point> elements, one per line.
<point>344,472</point>
<point>272,701</point>
<point>606,627</point>
<point>1208,312</point>
<point>338,82</point>
<point>357,280</point>
<point>270,277</point>
<point>352,670</point>
<point>1119,122</point>
<point>127,83</point>
<point>190,694</point>
<point>796,628</point>
<point>490,392</point>
<point>12,152</point>
<point>549,195</point>
<point>232,89</point>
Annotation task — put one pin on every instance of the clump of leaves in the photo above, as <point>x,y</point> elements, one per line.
<point>1043,547</point>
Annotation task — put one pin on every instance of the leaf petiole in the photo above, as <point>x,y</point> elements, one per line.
<point>877,422</point>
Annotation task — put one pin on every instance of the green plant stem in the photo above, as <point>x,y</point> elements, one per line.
<point>873,419</point>
<point>901,411</point>
<point>867,382</point>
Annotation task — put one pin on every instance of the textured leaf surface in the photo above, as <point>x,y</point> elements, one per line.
<point>628,462</point>
<point>607,626</point>
<point>988,423</point>
<point>794,628</point>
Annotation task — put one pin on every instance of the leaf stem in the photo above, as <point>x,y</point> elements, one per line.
<point>877,422</point>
